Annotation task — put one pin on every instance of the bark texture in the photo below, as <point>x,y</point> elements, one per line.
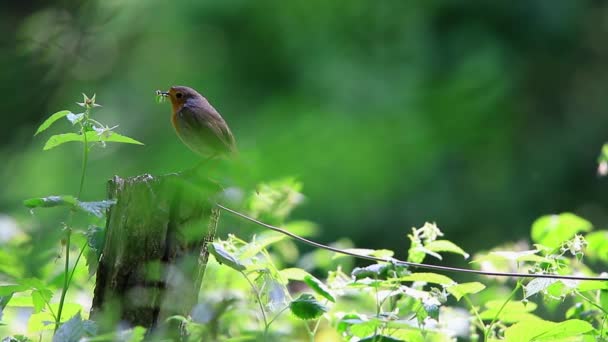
<point>155,250</point>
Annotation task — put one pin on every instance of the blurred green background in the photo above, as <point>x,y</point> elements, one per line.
<point>478,115</point>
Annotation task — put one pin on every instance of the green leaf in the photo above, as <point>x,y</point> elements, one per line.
<point>552,230</point>
<point>40,298</point>
<point>60,139</point>
<point>51,119</point>
<point>307,307</point>
<point>294,273</point>
<point>537,285</point>
<point>541,330</point>
<point>597,245</point>
<point>513,311</point>
<point>259,243</point>
<point>8,290</point>
<point>460,290</point>
<point>445,246</point>
<point>433,278</point>
<point>319,288</point>
<point>51,201</point>
<point>92,137</point>
<point>223,257</point>
<point>70,331</point>
<point>380,338</point>
<point>373,271</point>
<point>95,208</point>
<point>95,240</point>
<point>115,137</point>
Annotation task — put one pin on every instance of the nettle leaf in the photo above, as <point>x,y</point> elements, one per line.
<point>223,257</point>
<point>51,119</point>
<point>51,201</point>
<point>597,245</point>
<point>95,240</point>
<point>460,290</point>
<point>92,137</point>
<point>512,312</point>
<point>347,320</point>
<point>259,243</point>
<point>307,307</point>
<point>40,297</point>
<point>17,338</point>
<point>541,330</point>
<point>552,230</point>
<point>319,288</point>
<point>537,285</point>
<point>70,331</point>
<point>380,338</point>
<point>294,274</point>
<point>378,271</point>
<point>95,208</point>
<point>445,246</point>
<point>60,139</point>
<point>433,278</point>
<point>115,137</point>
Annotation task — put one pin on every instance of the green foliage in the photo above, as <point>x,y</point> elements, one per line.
<point>251,283</point>
<point>307,307</point>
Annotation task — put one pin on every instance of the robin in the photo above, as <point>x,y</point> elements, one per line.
<point>198,124</point>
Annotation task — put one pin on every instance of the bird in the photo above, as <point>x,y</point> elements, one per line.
<point>198,124</point>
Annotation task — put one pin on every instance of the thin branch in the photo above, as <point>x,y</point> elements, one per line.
<point>407,263</point>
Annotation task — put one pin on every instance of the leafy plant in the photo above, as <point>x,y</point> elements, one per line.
<point>90,133</point>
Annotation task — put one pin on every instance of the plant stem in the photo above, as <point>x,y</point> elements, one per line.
<point>68,277</point>
<point>65,277</point>
<point>85,156</point>
<point>489,328</point>
<point>259,299</point>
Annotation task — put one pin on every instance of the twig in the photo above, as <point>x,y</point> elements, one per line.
<point>407,263</point>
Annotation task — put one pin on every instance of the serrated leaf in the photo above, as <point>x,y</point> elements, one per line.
<point>223,257</point>
<point>380,338</point>
<point>446,246</point>
<point>433,278</point>
<point>319,288</point>
<point>372,271</point>
<point>40,298</point>
<point>460,290</point>
<point>50,201</point>
<point>512,312</point>
<point>51,119</point>
<point>262,241</point>
<point>95,240</point>
<point>92,137</point>
<point>541,330</point>
<point>307,307</point>
<point>95,208</point>
<point>115,137</point>
<point>537,285</point>
<point>70,331</point>
<point>60,139</point>
<point>294,273</point>
<point>552,230</point>
<point>8,290</point>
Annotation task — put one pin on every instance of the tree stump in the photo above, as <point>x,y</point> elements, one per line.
<point>155,251</point>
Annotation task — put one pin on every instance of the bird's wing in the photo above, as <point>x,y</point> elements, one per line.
<point>206,124</point>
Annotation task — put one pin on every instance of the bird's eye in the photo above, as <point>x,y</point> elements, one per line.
<point>178,95</point>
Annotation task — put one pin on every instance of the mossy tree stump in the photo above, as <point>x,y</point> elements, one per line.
<point>155,250</point>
